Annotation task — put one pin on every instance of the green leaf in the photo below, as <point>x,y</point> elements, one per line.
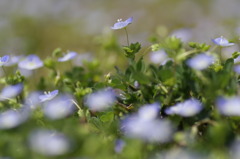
<point>108,117</point>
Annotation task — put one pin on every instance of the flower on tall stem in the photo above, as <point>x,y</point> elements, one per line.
<point>221,41</point>
<point>31,62</point>
<point>4,60</point>
<point>67,57</point>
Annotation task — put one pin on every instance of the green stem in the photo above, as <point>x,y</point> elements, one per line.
<point>127,36</point>
<point>186,54</point>
<point>4,71</point>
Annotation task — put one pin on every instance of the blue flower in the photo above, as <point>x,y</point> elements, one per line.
<point>187,108</point>
<point>4,60</point>
<point>221,41</point>
<point>237,69</point>
<point>100,100</point>
<point>48,96</point>
<point>119,145</point>
<point>122,24</point>
<point>11,91</point>
<point>31,62</point>
<point>200,61</point>
<point>229,106</point>
<point>159,57</point>
<point>149,111</point>
<point>58,108</point>
<point>67,57</point>
<point>49,143</point>
<point>13,60</point>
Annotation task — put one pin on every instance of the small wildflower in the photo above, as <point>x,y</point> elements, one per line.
<point>200,61</point>
<point>119,145</point>
<point>13,60</point>
<point>49,143</point>
<point>4,60</point>
<point>31,62</point>
<point>122,24</point>
<point>12,118</point>
<point>11,91</point>
<point>229,106</point>
<point>187,108</point>
<point>159,57</point>
<point>48,96</point>
<point>221,41</point>
<point>149,111</point>
<point>58,108</point>
<point>68,57</point>
<point>100,100</point>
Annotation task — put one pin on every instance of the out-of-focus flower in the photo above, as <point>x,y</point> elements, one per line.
<point>187,108</point>
<point>145,125</point>
<point>200,61</point>
<point>100,100</point>
<point>11,91</point>
<point>48,96</point>
<point>12,118</point>
<point>31,62</point>
<point>149,111</point>
<point>59,107</point>
<point>13,60</point>
<point>221,41</point>
<point>4,60</point>
<point>119,145</point>
<point>32,100</point>
<point>229,106</point>
<point>67,57</point>
<point>49,143</point>
<point>159,57</point>
<point>81,58</point>
<point>122,24</point>
<point>237,69</point>
<point>183,34</point>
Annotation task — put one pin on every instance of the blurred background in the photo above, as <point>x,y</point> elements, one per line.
<point>40,26</point>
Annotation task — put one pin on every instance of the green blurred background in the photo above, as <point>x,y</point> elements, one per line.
<point>40,26</point>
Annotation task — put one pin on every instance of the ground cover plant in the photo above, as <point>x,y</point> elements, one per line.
<point>183,103</point>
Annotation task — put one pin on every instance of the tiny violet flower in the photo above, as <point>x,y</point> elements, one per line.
<point>49,143</point>
<point>221,41</point>
<point>12,118</point>
<point>13,60</point>
<point>48,96</point>
<point>119,145</point>
<point>122,24</point>
<point>200,61</point>
<point>59,107</point>
<point>4,60</point>
<point>146,126</point>
<point>11,91</point>
<point>149,111</point>
<point>67,57</point>
<point>187,108</point>
<point>229,106</point>
<point>237,69</point>
<point>100,100</point>
<point>31,62</point>
<point>159,57</point>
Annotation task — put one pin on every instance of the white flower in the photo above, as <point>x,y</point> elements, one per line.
<point>229,106</point>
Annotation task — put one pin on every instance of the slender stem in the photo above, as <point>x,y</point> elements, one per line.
<point>127,36</point>
<point>220,54</point>
<point>75,103</point>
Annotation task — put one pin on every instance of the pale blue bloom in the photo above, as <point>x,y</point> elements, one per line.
<point>159,57</point>
<point>31,62</point>
<point>149,111</point>
<point>11,91</point>
<point>119,145</point>
<point>229,106</point>
<point>4,60</point>
<point>68,57</point>
<point>184,34</point>
<point>122,24</point>
<point>13,60</point>
<point>200,61</point>
<point>100,100</point>
<point>221,41</point>
<point>12,118</point>
<point>187,108</point>
<point>49,143</point>
<point>237,69</point>
<point>48,96</point>
<point>32,100</point>
<point>59,107</point>
<point>146,126</point>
